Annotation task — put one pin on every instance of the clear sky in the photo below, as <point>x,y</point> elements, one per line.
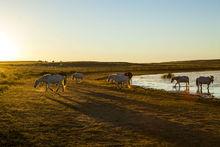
<point>110,30</point>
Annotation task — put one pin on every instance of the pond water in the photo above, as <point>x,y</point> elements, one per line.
<point>155,81</point>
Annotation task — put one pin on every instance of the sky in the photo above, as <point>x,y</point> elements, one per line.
<point>110,30</point>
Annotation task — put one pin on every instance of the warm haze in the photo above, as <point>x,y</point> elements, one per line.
<point>133,73</point>
<point>114,30</point>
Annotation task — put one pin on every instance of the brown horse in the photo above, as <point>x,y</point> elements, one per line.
<point>130,75</point>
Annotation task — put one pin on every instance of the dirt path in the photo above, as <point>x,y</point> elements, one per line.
<point>95,115</point>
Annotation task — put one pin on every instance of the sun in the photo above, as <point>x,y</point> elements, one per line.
<point>8,50</point>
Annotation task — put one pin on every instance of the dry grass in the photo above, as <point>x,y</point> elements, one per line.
<point>94,113</point>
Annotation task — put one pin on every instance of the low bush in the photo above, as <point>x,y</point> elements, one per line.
<point>167,76</point>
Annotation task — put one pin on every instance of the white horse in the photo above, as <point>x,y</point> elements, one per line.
<point>111,77</point>
<point>180,79</point>
<point>128,74</point>
<point>119,80</point>
<point>204,80</point>
<point>78,77</point>
<point>49,79</point>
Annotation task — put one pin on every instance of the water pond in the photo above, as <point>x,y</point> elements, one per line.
<point>155,81</point>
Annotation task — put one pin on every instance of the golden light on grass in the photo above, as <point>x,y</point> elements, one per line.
<point>8,49</point>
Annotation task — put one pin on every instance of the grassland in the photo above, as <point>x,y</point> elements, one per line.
<point>95,113</point>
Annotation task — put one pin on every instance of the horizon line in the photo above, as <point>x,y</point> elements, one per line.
<point>46,61</point>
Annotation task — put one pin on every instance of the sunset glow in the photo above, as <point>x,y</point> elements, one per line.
<point>113,30</point>
<point>8,49</point>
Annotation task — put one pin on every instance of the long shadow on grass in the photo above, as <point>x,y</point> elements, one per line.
<point>147,125</point>
<point>13,138</point>
<point>122,100</point>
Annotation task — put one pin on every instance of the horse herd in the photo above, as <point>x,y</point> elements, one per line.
<point>120,79</point>
<point>199,81</point>
<point>60,81</point>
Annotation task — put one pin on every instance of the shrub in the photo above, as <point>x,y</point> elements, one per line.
<point>3,75</point>
<point>167,76</point>
<point>3,88</point>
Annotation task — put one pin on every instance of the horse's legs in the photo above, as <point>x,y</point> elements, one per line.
<point>201,90</point>
<point>63,87</point>
<point>177,88</point>
<point>208,86</point>
<point>198,88</point>
<point>129,84</point>
<point>58,87</point>
<point>187,84</point>
<point>120,85</point>
<point>46,88</point>
<point>175,85</point>
<point>117,85</point>
<point>208,91</point>
<point>187,89</point>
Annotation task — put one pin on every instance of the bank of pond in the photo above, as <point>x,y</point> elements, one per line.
<point>156,81</point>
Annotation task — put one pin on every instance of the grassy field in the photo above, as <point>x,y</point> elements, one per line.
<point>95,113</point>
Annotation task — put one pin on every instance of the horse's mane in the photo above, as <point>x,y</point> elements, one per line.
<point>63,74</point>
<point>46,75</point>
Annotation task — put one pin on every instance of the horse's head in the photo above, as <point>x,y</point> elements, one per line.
<point>129,74</point>
<point>74,75</point>
<point>172,79</point>
<point>109,78</point>
<point>212,78</point>
<point>37,82</point>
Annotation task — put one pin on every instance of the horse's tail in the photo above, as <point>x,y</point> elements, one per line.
<point>65,80</point>
<point>197,82</point>
<point>108,78</point>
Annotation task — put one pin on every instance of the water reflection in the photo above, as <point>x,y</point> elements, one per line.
<point>156,82</point>
<point>203,93</point>
<point>183,89</point>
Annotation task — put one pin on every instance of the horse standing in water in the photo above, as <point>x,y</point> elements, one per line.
<point>48,79</point>
<point>180,79</point>
<point>204,80</point>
